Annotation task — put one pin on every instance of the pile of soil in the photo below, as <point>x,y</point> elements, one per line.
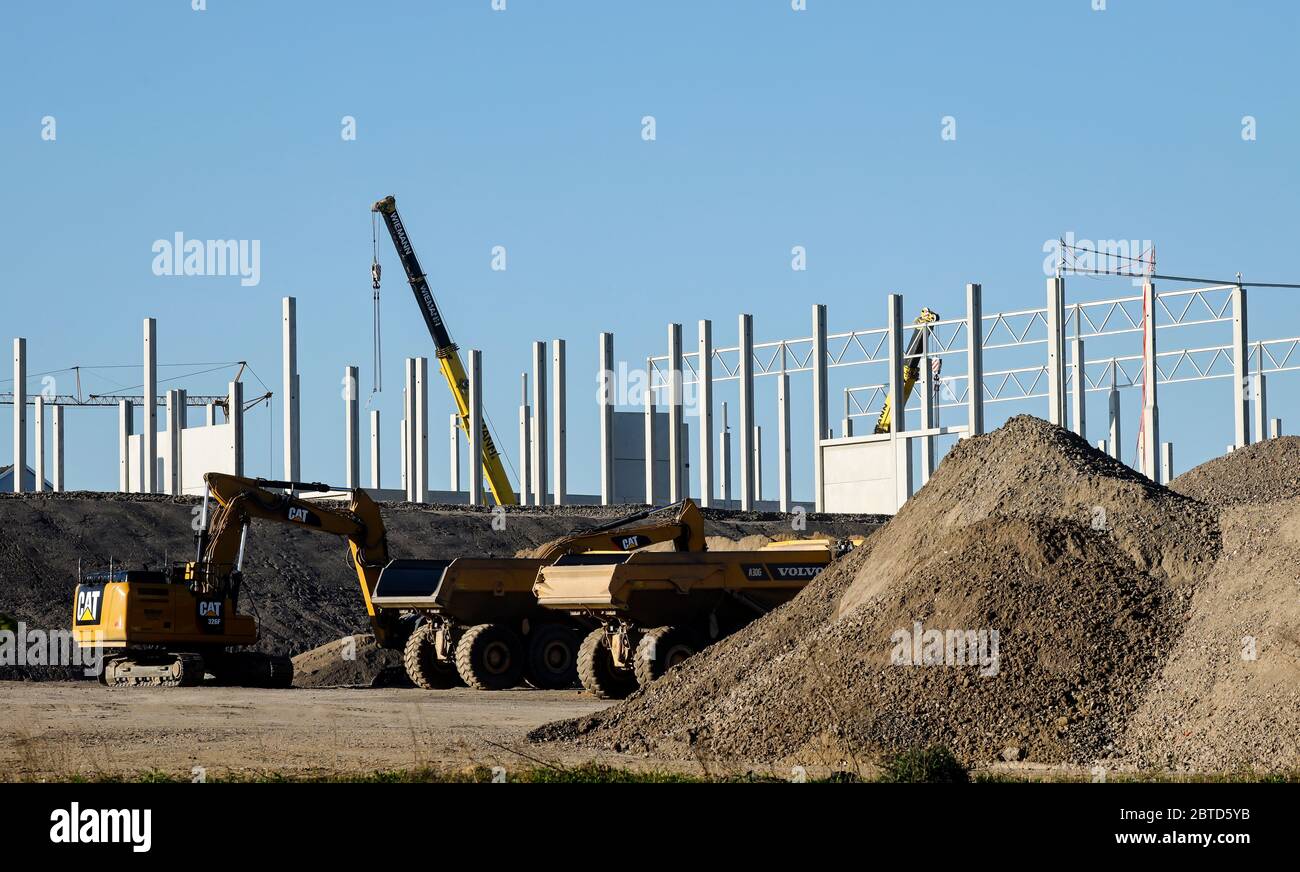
<point>299,585</point>
<point>1228,696</point>
<point>353,661</point>
<point>1083,567</point>
<point>1259,473</point>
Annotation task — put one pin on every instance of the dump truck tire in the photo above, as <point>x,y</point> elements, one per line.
<point>659,650</point>
<point>596,669</point>
<point>422,664</point>
<point>490,657</point>
<point>553,657</point>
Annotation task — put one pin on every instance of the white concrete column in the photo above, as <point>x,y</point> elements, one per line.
<point>475,427</point>
<point>606,400</point>
<point>758,464</point>
<point>38,443</point>
<point>704,396</point>
<point>149,423</point>
<point>846,423</point>
<point>1115,438</point>
<point>1150,388</point>
<point>540,483</point>
<point>408,432</point>
<point>649,435</point>
<point>172,484</point>
<point>525,443</point>
<point>746,412</point>
<point>974,359</point>
<point>20,413</point>
<point>783,439</point>
<point>404,455</point>
<point>1240,370</point>
<point>210,415</point>
<point>453,452</point>
<point>724,460</point>
<point>125,426</point>
<point>421,447</point>
<point>1166,462</point>
<point>897,405</point>
<point>1079,397</point>
<point>289,365</point>
<point>351,428</point>
<point>1101,446</point>
<point>57,446</point>
<point>925,384</point>
<point>376,452</point>
<point>1274,428</point>
<point>235,403</point>
<point>676,459</point>
<point>182,424</point>
<point>1056,351</point>
<point>820,398</point>
<point>1260,398</point>
<point>559,383</point>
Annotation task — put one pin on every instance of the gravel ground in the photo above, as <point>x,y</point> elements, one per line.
<point>1259,473</point>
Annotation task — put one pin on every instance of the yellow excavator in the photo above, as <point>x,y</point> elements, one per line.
<point>468,619</point>
<point>911,365</point>
<point>173,626</point>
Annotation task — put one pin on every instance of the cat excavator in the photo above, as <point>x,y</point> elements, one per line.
<point>172,627</point>
<point>468,619</point>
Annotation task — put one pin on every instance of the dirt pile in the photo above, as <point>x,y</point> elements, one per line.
<point>1259,473</point>
<point>298,584</point>
<point>1228,696</point>
<point>353,661</point>
<point>1056,580</point>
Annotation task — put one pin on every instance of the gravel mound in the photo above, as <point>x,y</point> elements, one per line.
<point>1262,472</point>
<point>1084,569</point>
<point>1228,696</point>
<point>353,661</point>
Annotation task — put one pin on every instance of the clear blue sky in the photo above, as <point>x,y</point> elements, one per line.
<point>522,128</point>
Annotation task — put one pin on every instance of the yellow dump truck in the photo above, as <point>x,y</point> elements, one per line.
<point>655,609</point>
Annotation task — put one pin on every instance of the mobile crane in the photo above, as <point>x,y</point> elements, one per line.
<point>453,369</point>
<point>911,367</point>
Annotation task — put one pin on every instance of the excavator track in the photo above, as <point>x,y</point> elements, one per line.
<point>170,670</point>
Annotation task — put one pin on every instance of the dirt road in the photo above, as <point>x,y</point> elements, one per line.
<point>62,729</point>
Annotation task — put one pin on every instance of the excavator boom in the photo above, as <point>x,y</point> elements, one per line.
<point>911,369</point>
<point>242,500</point>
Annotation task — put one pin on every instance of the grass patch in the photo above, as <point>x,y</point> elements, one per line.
<point>934,765</point>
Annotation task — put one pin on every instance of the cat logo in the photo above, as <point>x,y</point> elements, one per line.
<point>299,515</point>
<point>210,619</point>
<point>633,542</point>
<point>89,601</point>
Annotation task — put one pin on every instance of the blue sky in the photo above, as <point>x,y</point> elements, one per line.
<point>522,128</point>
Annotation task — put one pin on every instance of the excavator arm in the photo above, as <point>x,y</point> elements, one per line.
<point>911,369</point>
<point>681,523</point>
<point>453,369</point>
<point>243,500</point>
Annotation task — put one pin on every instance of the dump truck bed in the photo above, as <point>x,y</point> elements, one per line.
<point>664,588</point>
<point>471,590</point>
